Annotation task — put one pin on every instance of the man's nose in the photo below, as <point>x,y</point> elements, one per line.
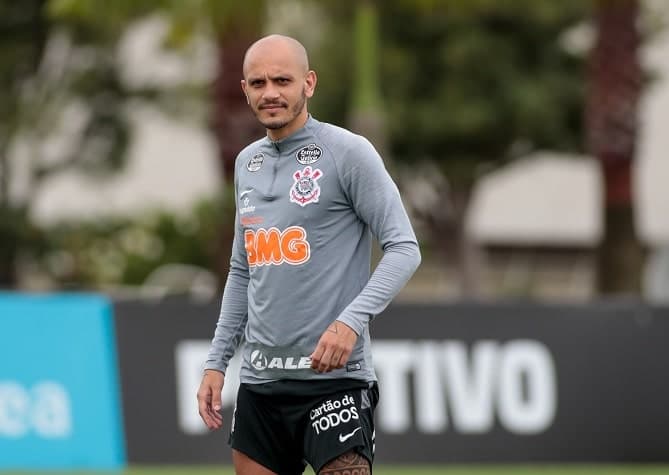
<point>271,92</point>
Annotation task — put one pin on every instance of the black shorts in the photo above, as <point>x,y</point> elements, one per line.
<point>287,424</point>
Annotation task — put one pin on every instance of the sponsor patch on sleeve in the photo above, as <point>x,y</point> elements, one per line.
<point>256,162</point>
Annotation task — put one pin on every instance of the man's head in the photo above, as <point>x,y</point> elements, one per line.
<point>277,83</point>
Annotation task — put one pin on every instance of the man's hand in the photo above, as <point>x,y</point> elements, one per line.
<point>209,398</point>
<point>334,348</point>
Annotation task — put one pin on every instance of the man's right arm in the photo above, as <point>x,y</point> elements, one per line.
<point>228,334</point>
<point>229,331</point>
<point>234,308</point>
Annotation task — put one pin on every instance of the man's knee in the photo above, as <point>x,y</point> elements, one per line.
<point>245,465</point>
<point>349,463</point>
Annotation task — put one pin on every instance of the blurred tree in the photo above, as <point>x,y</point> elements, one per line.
<point>23,33</point>
<point>62,108</point>
<point>465,86</point>
<point>366,115</point>
<point>233,27</point>
<point>121,251</point>
<point>614,87</point>
<point>488,82</point>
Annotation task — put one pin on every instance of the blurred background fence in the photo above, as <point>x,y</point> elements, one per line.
<point>460,383</point>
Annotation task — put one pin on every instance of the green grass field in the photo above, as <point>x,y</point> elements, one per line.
<point>404,470</point>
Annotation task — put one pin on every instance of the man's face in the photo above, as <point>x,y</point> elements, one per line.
<point>277,86</point>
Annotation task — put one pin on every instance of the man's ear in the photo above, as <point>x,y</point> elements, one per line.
<point>243,83</point>
<point>310,82</point>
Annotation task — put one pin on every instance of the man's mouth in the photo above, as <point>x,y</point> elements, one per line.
<point>271,106</point>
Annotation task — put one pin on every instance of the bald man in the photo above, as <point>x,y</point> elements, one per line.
<point>299,294</point>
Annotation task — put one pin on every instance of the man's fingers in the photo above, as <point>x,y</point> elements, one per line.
<point>216,401</point>
<point>212,419</point>
<point>216,416</point>
<point>329,359</point>
<point>334,361</point>
<point>334,348</point>
<point>325,364</point>
<point>216,420</point>
<point>326,358</point>
<point>343,359</point>
<point>203,407</point>
<point>209,399</point>
<point>316,356</point>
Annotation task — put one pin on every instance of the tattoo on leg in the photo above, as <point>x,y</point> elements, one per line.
<point>350,463</point>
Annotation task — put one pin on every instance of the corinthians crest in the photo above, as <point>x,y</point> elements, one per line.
<point>305,189</point>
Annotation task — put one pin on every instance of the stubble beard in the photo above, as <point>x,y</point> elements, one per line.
<point>275,124</point>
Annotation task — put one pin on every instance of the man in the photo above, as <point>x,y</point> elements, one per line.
<point>309,196</point>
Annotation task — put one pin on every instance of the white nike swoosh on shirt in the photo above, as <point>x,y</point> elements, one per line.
<point>245,192</point>
<point>344,437</point>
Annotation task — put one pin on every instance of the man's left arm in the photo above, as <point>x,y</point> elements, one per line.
<point>376,200</point>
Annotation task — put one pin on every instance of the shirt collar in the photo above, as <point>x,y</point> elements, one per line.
<point>297,138</point>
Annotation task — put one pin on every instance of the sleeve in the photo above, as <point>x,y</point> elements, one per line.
<point>234,306</point>
<point>377,202</point>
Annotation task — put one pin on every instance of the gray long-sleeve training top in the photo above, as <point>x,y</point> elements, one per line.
<point>307,207</point>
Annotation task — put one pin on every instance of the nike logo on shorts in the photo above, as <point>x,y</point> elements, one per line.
<point>344,437</point>
<point>245,192</point>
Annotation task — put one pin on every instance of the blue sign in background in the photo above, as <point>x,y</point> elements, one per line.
<point>59,389</point>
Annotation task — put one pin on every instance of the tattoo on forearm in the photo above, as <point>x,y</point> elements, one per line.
<point>333,328</point>
<point>350,463</point>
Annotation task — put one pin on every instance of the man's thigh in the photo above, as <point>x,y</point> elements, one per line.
<point>330,431</point>
<point>340,432</point>
<point>259,434</point>
<point>349,463</point>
